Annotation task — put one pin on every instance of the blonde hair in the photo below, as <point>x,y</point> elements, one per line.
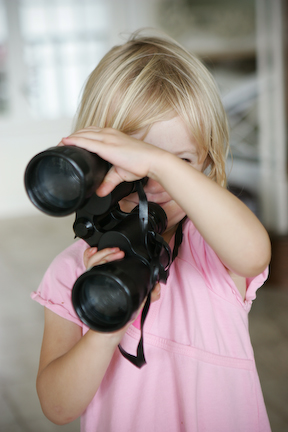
<point>148,79</point>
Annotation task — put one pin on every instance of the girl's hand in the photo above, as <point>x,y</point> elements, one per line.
<point>92,257</point>
<point>130,157</point>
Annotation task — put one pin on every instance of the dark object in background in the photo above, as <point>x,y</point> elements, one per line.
<point>278,271</point>
<point>247,197</point>
<point>279,261</point>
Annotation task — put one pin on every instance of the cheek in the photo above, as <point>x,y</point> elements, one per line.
<point>198,166</point>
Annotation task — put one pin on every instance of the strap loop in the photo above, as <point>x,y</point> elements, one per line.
<point>139,360</point>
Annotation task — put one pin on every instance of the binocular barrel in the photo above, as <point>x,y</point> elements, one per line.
<point>108,296</point>
<point>63,180</point>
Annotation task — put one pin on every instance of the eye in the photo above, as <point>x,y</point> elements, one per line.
<point>186,160</point>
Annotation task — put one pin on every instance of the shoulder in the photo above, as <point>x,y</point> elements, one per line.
<point>71,258</point>
<point>54,291</point>
<point>196,252</point>
<point>194,249</point>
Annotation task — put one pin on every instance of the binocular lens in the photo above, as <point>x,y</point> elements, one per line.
<point>61,180</point>
<point>60,184</point>
<point>108,296</point>
<point>102,300</point>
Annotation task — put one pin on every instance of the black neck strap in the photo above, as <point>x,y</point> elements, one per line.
<point>139,360</point>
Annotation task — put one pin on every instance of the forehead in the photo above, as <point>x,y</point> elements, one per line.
<point>171,135</point>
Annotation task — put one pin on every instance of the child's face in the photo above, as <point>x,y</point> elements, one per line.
<point>173,136</point>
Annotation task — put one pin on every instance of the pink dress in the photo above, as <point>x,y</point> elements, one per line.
<point>200,373</point>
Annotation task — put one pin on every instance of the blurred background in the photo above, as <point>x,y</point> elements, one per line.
<point>47,50</point>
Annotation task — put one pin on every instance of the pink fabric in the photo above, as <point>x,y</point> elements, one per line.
<point>200,373</point>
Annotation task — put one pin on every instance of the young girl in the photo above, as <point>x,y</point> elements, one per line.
<point>152,109</point>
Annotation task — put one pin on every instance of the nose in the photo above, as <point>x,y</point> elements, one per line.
<point>153,187</point>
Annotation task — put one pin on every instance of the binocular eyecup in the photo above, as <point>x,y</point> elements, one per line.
<point>61,180</point>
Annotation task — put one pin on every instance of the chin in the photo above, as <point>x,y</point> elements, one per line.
<point>127,206</point>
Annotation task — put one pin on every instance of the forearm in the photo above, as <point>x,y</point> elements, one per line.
<point>228,226</point>
<point>67,385</point>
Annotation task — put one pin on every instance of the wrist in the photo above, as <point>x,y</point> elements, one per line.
<point>160,165</point>
<point>111,340</point>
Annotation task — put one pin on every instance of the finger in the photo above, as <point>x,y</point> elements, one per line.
<point>104,256</point>
<point>92,133</point>
<point>111,180</point>
<point>89,131</point>
<point>156,293</point>
<point>87,255</point>
<point>72,139</point>
<point>92,256</point>
<point>85,141</point>
<point>85,133</point>
<point>90,128</point>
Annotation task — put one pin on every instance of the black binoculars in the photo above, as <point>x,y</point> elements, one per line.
<point>63,180</point>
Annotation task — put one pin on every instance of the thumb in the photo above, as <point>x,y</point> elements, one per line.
<point>111,180</point>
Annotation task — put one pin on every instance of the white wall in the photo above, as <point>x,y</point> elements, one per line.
<point>21,137</point>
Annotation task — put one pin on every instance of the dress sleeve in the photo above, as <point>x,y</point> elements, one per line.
<point>55,289</point>
<point>253,284</point>
<point>214,272</point>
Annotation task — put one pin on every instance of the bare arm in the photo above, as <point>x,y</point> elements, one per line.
<point>72,366</point>
<point>228,225</point>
